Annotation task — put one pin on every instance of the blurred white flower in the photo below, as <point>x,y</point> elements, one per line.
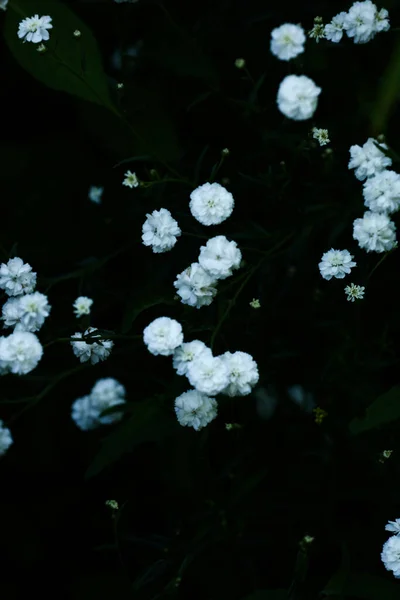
<point>82,306</point>
<point>334,29</point>
<point>298,97</point>
<point>336,263</point>
<point>287,41</point>
<point>95,194</point>
<point>194,409</point>
<point>393,526</point>
<point>368,160</point>
<point>208,374</point>
<point>95,351</point>
<point>3,4</point>
<point>162,336</point>
<point>375,232</point>
<point>354,292</point>
<point>391,555</point>
<point>195,286</point>
<point>20,352</point>
<point>35,29</point>
<point>301,397</point>
<point>186,353</point>
<point>382,22</point>
<point>85,413</point>
<point>382,192</point>
<point>211,204</point>
<point>130,180</point>
<point>266,402</point>
<point>242,372</point>
<point>26,313</point>
<point>5,439</point>
<point>108,392</point>
<point>219,257</point>
<point>160,231</point>
<point>16,277</point>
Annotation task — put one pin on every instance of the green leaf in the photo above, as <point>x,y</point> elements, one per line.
<point>363,586</point>
<point>70,64</point>
<point>146,423</point>
<point>384,409</point>
<point>268,595</point>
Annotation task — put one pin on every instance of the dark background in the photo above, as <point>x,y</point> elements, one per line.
<point>222,511</point>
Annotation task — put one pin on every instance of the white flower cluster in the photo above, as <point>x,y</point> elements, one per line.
<point>232,374</point>
<point>5,439</point>
<point>287,41</point>
<point>160,231</point>
<point>211,204</point>
<point>87,411</point>
<point>25,311</point>
<point>362,22</point>
<point>391,549</point>
<point>91,347</point>
<point>375,232</point>
<point>298,97</point>
<point>197,285</point>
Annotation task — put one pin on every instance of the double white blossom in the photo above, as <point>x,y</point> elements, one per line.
<point>208,374</point>
<point>242,372</point>
<point>363,21</point>
<point>87,411</point>
<point>16,277</point>
<point>334,29</point>
<point>298,97</point>
<point>287,41</point>
<point>382,192</point>
<point>195,286</point>
<point>20,353</point>
<point>5,439</point>
<point>186,353</point>
<point>92,350</point>
<point>219,257</point>
<point>26,313</point>
<point>163,336</point>
<point>375,232</point>
<point>211,204</point>
<point>160,231</point>
<point>194,409</point>
<point>82,306</point>
<point>368,160</point>
<point>336,263</point>
<point>391,555</point>
<point>35,29</point>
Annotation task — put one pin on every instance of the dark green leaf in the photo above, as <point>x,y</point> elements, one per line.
<point>384,409</point>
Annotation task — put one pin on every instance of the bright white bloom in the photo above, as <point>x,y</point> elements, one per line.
<point>20,352</point>
<point>162,336</point>
<point>3,4</point>
<point>16,277</point>
<point>360,21</point>
<point>375,232</point>
<point>336,263</point>
<point>219,257</point>
<point>208,374</point>
<point>130,180</point>
<point>194,409</point>
<point>334,29</point>
<point>34,309</point>
<point>108,392</point>
<point>382,21</point>
<point>211,204</point>
<point>93,351</point>
<point>391,555</point>
<point>243,373</point>
<point>298,97</point>
<point>287,41</point>
<point>368,160</point>
<point>393,526</point>
<point>195,286</point>
<point>85,413</point>
<point>5,439</point>
<point>160,231</point>
<point>82,306</point>
<point>11,312</point>
<point>354,292</point>
<point>382,192</point>
<point>186,353</point>
<point>95,194</point>
<point>321,135</point>
<point>35,29</point>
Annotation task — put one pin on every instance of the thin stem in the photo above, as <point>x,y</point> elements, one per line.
<point>380,262</point>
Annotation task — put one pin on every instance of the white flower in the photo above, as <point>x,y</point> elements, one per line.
<point>3,4</point>
<point>35,29</point>
<point>219,257</point>
<point>368,160</point>
<point>382,192</point>
<point>391,555</point>
<point>186,353</point>
<point>82,306</point>
<point>354,292</point>
<point>93,351</point>
<point>321,135</point>
<point>16,277</point>
<point>32,310</point>
<point>160,231</point>
<point>360,21</point>
<point>162,336</point>
<point>11,312</point>
<point>211,204</point>
<point>375,232</point>
<point>85,413</point>
<point>393,526</point>
<point>4,365</point>
<point>95,194</point>
<point>287,41</point>
<point>243,373</point>
<point>208,374</point>
<point>194,409</point>
<point>336,263</point>
<point>108,392</point>
<point>5,439</point>
<point>382,21</point>
<point>195,286</point>
<point>298,97</point>
<point>20,352</point>
<point>334,29</point>
<point>130,180</point>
